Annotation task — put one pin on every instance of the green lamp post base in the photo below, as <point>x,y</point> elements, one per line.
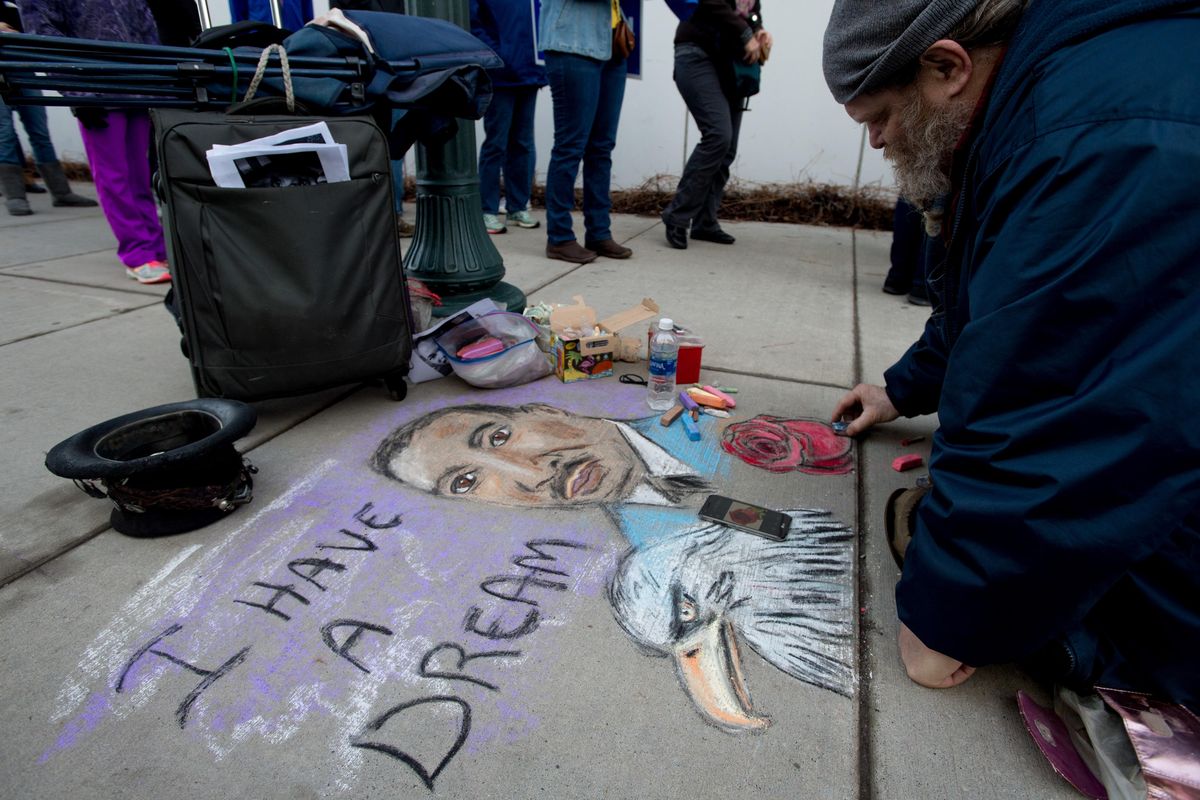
<point>505,295</point>
<point>451,250</point>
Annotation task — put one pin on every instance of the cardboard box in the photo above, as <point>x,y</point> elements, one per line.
<point>581,357</point>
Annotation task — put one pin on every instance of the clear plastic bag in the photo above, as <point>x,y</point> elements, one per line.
<point>521,361</point>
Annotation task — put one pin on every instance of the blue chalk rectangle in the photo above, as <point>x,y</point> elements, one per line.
<point>693,430</point>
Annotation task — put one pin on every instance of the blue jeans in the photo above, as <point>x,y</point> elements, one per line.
<point>398,173</point>
<point>34,120</point>
<point>508,144</point>
<point>587,109</point>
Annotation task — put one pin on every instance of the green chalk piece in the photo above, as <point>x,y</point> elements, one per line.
<point>728,389</point>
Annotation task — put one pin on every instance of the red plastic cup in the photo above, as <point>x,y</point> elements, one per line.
<point>687,369</point>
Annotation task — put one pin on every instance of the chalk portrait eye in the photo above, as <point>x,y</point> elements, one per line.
<point>463,483</point>
<point>500,437</point>
<point>687,611</point>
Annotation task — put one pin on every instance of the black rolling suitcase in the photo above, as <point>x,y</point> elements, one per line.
<point>283,291</point>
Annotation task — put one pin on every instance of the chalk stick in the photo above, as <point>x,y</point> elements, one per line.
<point>911,440</point>
<point>687,401</point>
<point>910,461</point>
<point>705,399</point>
<point>716,412</point>
<point>666,419</point>
<point>729,401</point>
<point>695,414</point>
<point>728,389</point>
<point>693,430</point>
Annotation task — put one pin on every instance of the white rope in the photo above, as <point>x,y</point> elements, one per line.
<point>262,67</point>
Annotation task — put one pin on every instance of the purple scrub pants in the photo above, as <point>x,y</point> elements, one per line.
<point>120,159</point>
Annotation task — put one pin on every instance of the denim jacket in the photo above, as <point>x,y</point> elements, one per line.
<point>582,27</point>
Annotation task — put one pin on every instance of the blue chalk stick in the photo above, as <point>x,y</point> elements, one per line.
<point>693,430</point>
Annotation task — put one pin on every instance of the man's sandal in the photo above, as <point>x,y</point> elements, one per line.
<point>899,519</point>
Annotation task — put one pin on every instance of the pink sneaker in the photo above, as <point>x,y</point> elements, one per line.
<point>150,272</point>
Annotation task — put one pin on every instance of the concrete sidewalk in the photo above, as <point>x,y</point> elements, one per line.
<point>347,636</point>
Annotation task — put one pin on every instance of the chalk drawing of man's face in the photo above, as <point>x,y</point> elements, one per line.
<point>532,455</point>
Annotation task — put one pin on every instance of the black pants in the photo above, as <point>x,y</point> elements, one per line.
<point>719,119</point>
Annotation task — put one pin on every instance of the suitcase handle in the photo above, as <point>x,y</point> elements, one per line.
<point>268,105</point>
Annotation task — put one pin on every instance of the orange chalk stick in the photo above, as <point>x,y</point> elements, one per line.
<point>705,399</point>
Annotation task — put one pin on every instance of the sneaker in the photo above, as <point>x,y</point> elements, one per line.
<point>405,228</point>
<point>151,272</point>
<point>493,224</point>
<point>523,219</point>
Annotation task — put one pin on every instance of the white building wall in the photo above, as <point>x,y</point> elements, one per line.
<point>794,131</point>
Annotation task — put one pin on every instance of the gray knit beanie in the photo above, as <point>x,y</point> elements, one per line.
<point>869,41</point>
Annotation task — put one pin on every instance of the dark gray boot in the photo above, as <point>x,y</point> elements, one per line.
<point>60,188</point>
<point>12,183</point>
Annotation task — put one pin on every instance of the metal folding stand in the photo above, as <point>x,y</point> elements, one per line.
<point>114,75</point>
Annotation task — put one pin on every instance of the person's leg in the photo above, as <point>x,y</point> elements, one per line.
<point>575,90</point>
<point>12,167</point>
<point>521,157</point>
<point>44,155</point>
<point>907,233</point>
<point>37,128</point>
<point>403,226</point>
<point>10,145</point>
<point>496,124</point>
<point>700,86</point>
<point>398,186</point>
<point>138,135</point>
<point>597,158</point>
<point>705,225</point>
<point>118,154</point>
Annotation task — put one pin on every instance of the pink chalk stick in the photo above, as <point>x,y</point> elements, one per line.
<point>729,401</point>
<point>910,461</point>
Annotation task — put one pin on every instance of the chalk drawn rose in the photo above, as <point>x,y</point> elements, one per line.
<point>787,445</point>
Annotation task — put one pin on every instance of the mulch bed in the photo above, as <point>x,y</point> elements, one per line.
<point>805,203</point>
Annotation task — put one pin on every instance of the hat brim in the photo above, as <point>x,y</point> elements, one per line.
<point>169,435</point>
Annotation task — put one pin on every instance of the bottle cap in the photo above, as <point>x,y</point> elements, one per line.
<point>665,324</point>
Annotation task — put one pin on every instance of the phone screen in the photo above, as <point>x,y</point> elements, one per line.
<point>746,516</point>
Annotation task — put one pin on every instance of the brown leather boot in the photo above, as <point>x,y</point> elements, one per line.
<point>570,251</point>
<point>609,249</point>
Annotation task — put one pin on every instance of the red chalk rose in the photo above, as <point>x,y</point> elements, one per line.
<point>784,445</point>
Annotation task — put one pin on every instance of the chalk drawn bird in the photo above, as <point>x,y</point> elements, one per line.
<point>698,594</point>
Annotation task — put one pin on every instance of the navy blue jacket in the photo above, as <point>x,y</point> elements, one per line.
<point>1065,513</point>
<point>506,26</point>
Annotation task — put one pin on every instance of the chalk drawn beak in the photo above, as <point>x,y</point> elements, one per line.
<point>709,665</point>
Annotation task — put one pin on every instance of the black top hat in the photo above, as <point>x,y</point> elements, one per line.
<point>167,469</point>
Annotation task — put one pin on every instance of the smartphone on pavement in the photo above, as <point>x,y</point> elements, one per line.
<point>747,517</point>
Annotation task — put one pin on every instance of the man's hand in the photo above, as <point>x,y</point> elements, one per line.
<point>865,405</point>
<point>928,667</point>
<point>6,28</point>
<point>753,50</point>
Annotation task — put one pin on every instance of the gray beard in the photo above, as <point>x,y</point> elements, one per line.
<point>921,157</point>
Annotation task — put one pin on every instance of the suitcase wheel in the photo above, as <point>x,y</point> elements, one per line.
<point>396,386</point>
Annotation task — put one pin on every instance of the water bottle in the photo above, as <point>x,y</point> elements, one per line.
<point>664,354</point>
